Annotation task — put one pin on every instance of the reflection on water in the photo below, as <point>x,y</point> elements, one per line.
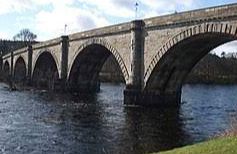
<point>37,122</point>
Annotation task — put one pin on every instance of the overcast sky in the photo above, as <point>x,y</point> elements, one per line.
<point>47,18</point>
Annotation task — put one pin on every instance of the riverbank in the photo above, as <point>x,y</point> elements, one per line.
<point>226,145</point>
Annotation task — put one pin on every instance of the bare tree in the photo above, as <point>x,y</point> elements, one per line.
<point>25,35</point>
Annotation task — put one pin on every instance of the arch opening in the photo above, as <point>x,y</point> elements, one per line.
<point>84,76</point>
<point>111,72</point>
<point>6,71</point>
<point>20,71</point>
<point>171,70</point>
<point>45,73</point>
<point>217,67</point>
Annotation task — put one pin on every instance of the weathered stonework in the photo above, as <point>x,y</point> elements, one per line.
<point>155,55</point>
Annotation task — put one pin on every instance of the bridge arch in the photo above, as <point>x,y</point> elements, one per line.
<point>39,54</point>
<point>20,70</point>
<point>87,62</point>
<point>105,44</point>
<point>19,57</point>
<point>45,72</point>
<point>176,58</point>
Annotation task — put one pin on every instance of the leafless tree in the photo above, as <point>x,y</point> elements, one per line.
<point>25,35</point>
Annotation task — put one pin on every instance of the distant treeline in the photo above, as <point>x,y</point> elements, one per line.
<point>111,72</point>
<point>7,46</point>
<point>212,69</point>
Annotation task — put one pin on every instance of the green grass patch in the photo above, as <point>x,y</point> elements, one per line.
<point>225,145</point>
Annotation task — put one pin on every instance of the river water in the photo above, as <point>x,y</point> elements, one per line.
<point>36,122</point>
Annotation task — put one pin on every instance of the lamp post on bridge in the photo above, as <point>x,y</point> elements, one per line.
<point>65,29</point>
<point>136,10</point>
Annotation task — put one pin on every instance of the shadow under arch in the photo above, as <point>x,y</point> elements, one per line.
<point>6,71</point>
<point>109,48</point>
<point>172,63</point>
<point>83,75</point>
<point>39,54</point>
<point>45,72</point>
<point>20,71</point>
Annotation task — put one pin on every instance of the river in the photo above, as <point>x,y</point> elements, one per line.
<point>36,122</point>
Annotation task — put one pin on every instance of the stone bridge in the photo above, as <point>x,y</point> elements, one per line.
<point>155,55</point>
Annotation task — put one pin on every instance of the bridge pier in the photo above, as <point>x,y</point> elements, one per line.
<point>64,62</point>
<point>134,93</point>
<point>136,82</point>
<point>10,79</point>
<point>167,100</point>
<point>132,96</point>
<point>29,70</point>
<point>154,99</point>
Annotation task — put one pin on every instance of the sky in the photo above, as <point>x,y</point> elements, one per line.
<point>47,18</point>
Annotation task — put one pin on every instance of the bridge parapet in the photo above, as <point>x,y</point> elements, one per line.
<point>101,32</point>
<point>6,56</point>
<point>192,17</point>
<point>46,44</point>
<point>19,51</point>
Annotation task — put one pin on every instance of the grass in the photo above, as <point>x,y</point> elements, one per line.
<point>222,145</point>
